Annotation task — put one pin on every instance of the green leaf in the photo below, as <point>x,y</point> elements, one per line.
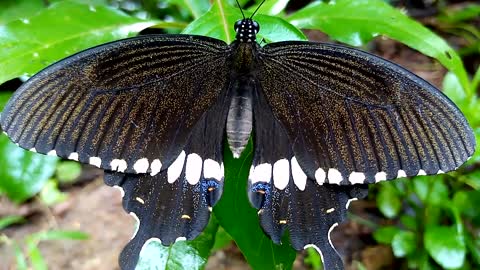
<point>404,243</point>
<point>240,219</point>
<point>271,8</point>
<point>452,88</point>
<point>357,22</point>
<point>446,246</point>
<point>50,194</point>
<point>219,20</point>
<point>10,220</point>
<point>67,171</point>
<point>388,200</point>
<point>19,9</point>
<point>409,222</point>
<point>36,258</point>
<point>29,45</point>
<point>181,255</point>
<point>467,203</point>
<point>421,187</point>
<point>313,259</point>
<point>23,174</point>
<point>59,235</point>
<point>222,239</point>
<point>19,258</point>
<point>195,7</point>
<point>384,235</point>
<point>438,194</point>
<point>4,97</point>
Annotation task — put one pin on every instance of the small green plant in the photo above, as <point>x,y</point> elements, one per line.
<point>28,250</point>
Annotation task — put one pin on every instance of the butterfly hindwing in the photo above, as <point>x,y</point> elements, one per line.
<point>175,204</point>
<point>126,106</point>
<point>355,118</point>
<point>287,198</point>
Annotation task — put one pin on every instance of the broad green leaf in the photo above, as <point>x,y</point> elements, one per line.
<point>181,255</point>
<point>219,20</point>
<point>357,22</point>
<point>467,203</point>
<point>4,97</point>
<point>240,219</point>
<point>195,7</point>
<point>222,239</point>
<point>421,186</point>
<point>438,191</point>
<point>10,220</point>
<point>404,243</point>
<point>468,12</point>
<point>445,245</point>
<point>388,200</point>
<point>18,9</point>
<point>23,173</point>
<point>384,235</point>
<point>271,8</point>
<point>56,32</point>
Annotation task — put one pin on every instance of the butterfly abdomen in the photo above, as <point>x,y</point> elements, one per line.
<point>240,117</point>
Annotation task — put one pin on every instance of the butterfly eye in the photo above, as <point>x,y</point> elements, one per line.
<point>237,25</point>
<point>256,27</point>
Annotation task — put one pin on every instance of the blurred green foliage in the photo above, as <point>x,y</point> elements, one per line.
<point>435,221</point>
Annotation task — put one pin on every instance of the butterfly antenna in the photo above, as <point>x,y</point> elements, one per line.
<point>257,8</point>
<point>238,4</point>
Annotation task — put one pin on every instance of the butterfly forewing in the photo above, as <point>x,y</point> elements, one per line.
<point>127,106</point>
<point>355,118</point>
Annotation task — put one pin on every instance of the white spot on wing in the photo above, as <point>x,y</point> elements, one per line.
<point>320,176</point>
<point>380,176</point>
<point>180,239</point>
<point>95,161</point>
<point>73,156</point>
<point>349,202</point>
<point>356,178</point>
<point>401,173</point>
<point>334,176</point>
<point>118,165</point>
<point>140,200</point>
<point>52,153</point>
<point>193,169</point>
<point>316,248</point>
<point>330,210</point>
<point>281,173</point>
<point>33,150</point>
<point>137,225</point>
<point>440,172</point>
<point>421,172</point>
<point>175,169</point>
<point>155,167</point>
<point>122,192</point>
<point>261,173</point>
<point>329,232</point>
<point>299,177</point>
<point>141,165</point>
<point>211,169</point>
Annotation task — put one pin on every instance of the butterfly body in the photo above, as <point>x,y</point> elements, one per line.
<point>154,111</point>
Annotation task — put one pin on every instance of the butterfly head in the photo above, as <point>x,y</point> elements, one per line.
<point>246,30</point>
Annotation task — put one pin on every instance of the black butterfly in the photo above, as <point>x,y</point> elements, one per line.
<point>153,111</point>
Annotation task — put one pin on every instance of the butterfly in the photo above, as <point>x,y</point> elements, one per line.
<point>154,111</point>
